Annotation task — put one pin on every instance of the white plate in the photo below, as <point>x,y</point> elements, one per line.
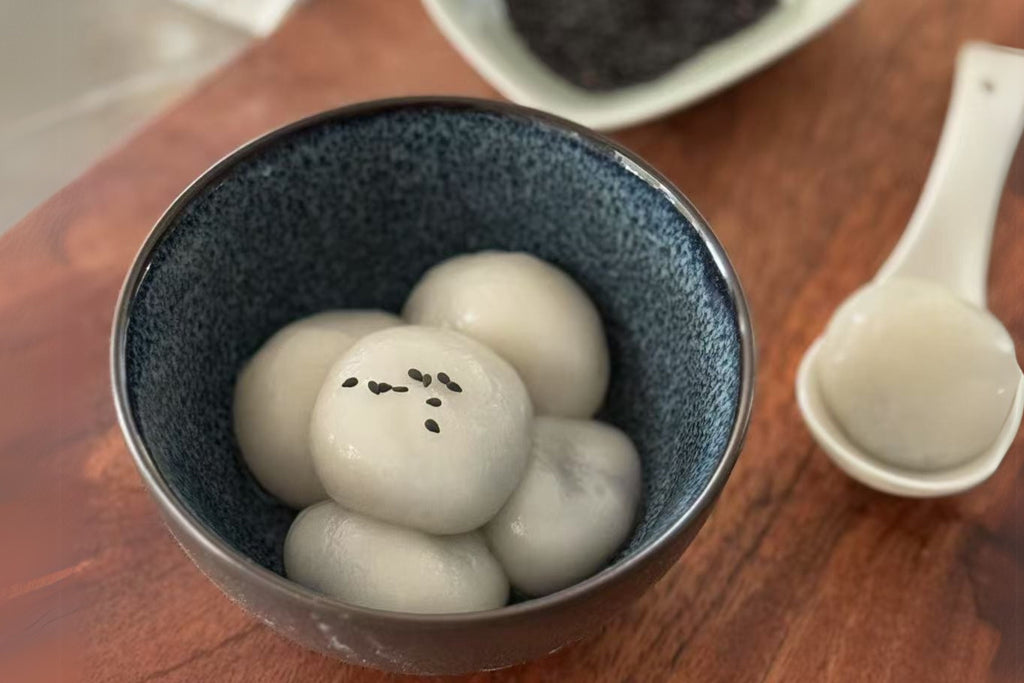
<point>481,31</point>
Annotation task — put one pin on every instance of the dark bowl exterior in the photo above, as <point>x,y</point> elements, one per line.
<point>642,251</point>
<point>397,643</point>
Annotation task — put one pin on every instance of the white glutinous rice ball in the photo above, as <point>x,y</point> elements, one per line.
<point>422,427</point>
<point>274,398</point>
<point>574,508</point>
<point>915,376</point>
<point>374,564</point>
<point>531,313</point>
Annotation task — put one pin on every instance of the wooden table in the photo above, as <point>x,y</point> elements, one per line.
<point>808,172</point>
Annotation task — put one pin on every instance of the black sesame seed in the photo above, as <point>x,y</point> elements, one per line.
<point>443,378</point>
<point>426,381</point>
<point>383,387</point>
<point>432,426</point>
<point>416,374</point>
<point>373,387</point>
<point>350,382</point>
<point>452,386</point>
<point>400,389</point>
<point>436,402</point>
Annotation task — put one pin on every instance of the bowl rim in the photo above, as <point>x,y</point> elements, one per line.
<point>211,542</point>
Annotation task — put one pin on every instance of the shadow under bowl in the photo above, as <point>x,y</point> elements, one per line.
<point>347,209</point>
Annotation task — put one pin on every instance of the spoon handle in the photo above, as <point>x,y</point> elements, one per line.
<point>950,234</point>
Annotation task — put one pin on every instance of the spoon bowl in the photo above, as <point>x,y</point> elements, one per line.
<point>887,478</point>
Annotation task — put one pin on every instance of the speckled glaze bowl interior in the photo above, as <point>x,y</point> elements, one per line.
<point>347,210</point>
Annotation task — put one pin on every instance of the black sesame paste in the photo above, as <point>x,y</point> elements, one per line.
<point>606,44</point>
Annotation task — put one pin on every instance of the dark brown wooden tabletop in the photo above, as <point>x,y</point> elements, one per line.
<point>808,173</point>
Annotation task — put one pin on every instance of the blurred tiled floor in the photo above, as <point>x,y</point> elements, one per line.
<point>78,76</point>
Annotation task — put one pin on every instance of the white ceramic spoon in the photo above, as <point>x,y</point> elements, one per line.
<point>947,241</point>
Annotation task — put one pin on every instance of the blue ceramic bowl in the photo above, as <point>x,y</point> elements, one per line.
<point>346,210</point>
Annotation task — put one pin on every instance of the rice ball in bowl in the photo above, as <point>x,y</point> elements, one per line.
<point>368,562</point>
<point>532,314</point>
<point>573,508</point>
<point>275,394</point>
<point>440,457</point>
<point>348,210</point>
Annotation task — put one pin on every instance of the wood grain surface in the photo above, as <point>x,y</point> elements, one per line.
<point>808,172</point>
